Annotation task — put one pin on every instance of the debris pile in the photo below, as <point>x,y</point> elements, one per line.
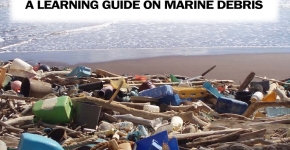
<point>52,108</point>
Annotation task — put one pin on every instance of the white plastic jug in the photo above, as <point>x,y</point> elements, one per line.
<point>21,69</point>
<point>177,123</point>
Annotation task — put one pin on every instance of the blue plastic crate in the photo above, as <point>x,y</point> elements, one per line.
<point>229,105</point>
<point>80,71</point>
<point>153,142</point>
<point>173,100</point>
<point>157,92</point>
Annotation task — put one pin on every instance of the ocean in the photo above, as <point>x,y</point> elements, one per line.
<point>107,41</point>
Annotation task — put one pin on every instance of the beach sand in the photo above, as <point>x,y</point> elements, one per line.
<point>229,67</point>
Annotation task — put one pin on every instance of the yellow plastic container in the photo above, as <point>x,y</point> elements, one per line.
<point>271,97</point>
<point>189,92</point>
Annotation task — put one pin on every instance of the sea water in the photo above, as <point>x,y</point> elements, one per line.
<point>106,41</point>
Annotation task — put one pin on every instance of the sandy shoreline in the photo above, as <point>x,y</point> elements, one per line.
<point>233,66</point>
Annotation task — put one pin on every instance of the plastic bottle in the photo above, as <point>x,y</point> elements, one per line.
<point>124,126</point>
<point>257,96</point>
<point>151,108</point>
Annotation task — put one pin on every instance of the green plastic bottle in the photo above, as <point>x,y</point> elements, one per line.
<point>57,110</point>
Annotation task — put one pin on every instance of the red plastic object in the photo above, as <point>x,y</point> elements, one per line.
<point>141,78</point>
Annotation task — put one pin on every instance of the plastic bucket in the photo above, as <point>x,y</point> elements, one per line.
<point>35,88</point>
<point>87,114</point>
<point>244,96</point>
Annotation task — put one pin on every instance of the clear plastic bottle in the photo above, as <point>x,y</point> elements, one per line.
<point>124,126</point>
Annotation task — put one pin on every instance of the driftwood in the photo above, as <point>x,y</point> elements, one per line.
<point>207,71</point>
<point>20,121</point>
<point>192,83</point>
<point>10,128</point>
<point>134,105</point>
<point>144,99</point>
<point>58,127</point>
<point>187,116</point>
<point>106,73</point>
<point>283,140</point>
<point>25,111</point>
<point>257,105</point>
<point>116,92</point>
<point>252,135</point>
<point>109,118</point>
<point>253,142</point>
<point>54,73</point>
<point>228,115</point>
<point>12,97</point>
<point>134,119</point>
<point>195,107</point>
<point>217,128</point>
<point>280,82</point>
<point>202,134</point>
<point>225,138</point>
<point>284,121</point>
<point>247,81</point>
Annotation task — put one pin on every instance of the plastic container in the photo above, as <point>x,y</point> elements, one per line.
<point>35,88</point>
<point>2,76</point>
<point>173,100</point>
<point>21,68</point>
<point>142,130</point>
<point>87,114</point>
<point>173,144</point>
<point>55,110</point>
<point>177,123</point>
<point>3,145</point>
<point>189,92</point>
<point>158,92</point>
<point>264,84</point>
<point>124,126</point>
<point>277,111</point>
<point>80,71</point>
<point>228,105</point>
<point>244,96</point>
<point>37,142</point>
<point>271,97</point>
<point>153,142</point>
<point>257,96</point>
<point>151,108</point>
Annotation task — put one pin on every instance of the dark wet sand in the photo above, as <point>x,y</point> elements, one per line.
<point>233,67</point>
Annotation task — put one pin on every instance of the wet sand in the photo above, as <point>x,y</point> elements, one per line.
<point>233,67</point>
